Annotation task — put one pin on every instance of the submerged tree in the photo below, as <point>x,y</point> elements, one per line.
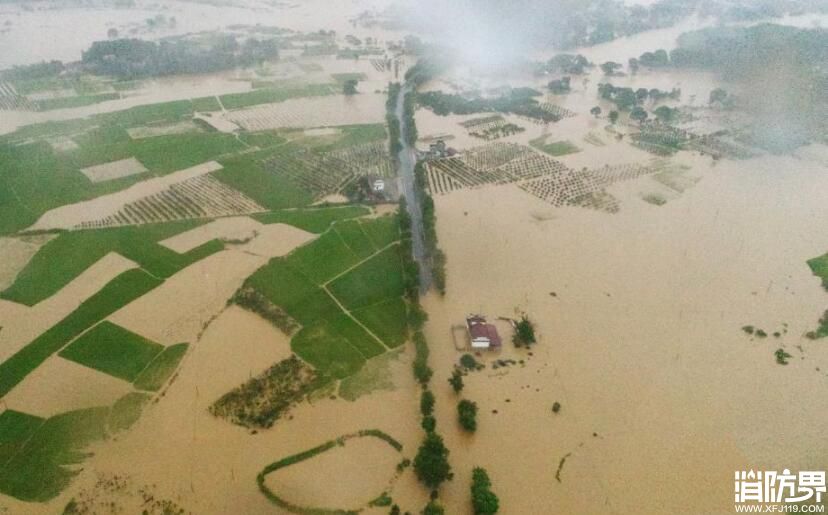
<point>456,380</point>
<point>595,111</point>
<point>613,116</point>
<point>467,415</point>
<point>431,462</point>
<point>484,501</point>
<point>350,87</point>
<point>524,332</point>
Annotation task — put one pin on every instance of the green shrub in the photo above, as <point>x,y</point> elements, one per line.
<point>467,415</point>
<point>426,403</point>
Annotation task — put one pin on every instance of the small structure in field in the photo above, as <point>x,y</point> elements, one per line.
<point>482,334</point>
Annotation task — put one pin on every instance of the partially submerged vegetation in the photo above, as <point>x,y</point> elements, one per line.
<point>262,400</point>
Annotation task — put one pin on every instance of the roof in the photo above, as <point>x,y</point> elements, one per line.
<point>478,328</point>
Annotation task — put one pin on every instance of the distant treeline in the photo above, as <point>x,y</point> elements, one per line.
<point>135,58</point>
<point>518,101</point>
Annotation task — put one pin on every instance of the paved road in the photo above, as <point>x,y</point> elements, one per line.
<point>407,160</point>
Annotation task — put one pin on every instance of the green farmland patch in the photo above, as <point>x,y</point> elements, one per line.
<point>113,350</point>
<point>126,411</point>
<point>382,231</point>
<point>292,291</point>
<point>15,428</point>
<point>323,258</point>
<point>327,350</point>
<point>76,101</point>
<point>819,267</point>
<point>64,258</point>
<point>386,319</point>
<point>355,238</point>
<point>39,471</point>
<point>161,368</point>
<point>554,148</point>
<point>315,219</point>
<point>270,96</point>
<point>366,344</point>
<point>377,279</point>
<point>246,174</point>
<point>117,293</point>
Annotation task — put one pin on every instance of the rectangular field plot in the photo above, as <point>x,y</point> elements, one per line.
<point>366,344</point>
<point>327,350</point>
<point>15,428</point>
<point>113,350</point>
<point>114,170</point>
<point>116,294</point>
<point>377,279</point>
<point>66,257</point>
<point>387,320</point>
<point>355,238</point>
<point>161,368</point>
<point>315,220</point>
<point>324,258</point>
<point>382,231</point>
<point>295,293</point>
<point>40,470</point>
<point>301,113</point>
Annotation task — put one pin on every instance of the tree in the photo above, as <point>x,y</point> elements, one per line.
<point>428,424</point>
<point>641,94</point>
<point>524,332</point>
<point>426,403</point>
<point>431,462</point>
<point>719,96</point>
<point>613,116</point>
<point>595,111</point>
<point>484,501</point>
<point>633,65</point>
<point>434,508</point>
<point>456,381</point>
<point>609,67</point>
<point>664,113</point>
<point>350,87</point>
<point>467,415</point>
<point>395,510</point>
<point>638,114</point>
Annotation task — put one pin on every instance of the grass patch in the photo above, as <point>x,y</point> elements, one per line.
<point>366,344</point>
<point>355,238</point>
<point>323,258</point>
<point>374,376</point>
<point>246,174</point>
<point>382,231</point>
<point>206,104</point>
<point>35,178</point>
<point>15,428</point>
<point>269,96</point>
<point>291,290</point>
<point>555,148</point>
<point>819,267</point>
<point>126,411</point>
<point>39,472</point>
<point>161,368</point>
<point>76,101</point>
<point>373,281</point>
<point>113,350</point>
<point>328,351</point>
<point>315,220</point>
<point>386,319</point>
<point>64,258</point>
<point>117,293</point>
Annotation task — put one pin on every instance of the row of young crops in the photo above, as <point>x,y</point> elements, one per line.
<point>198,197</point>
<point>10,100</point>
<point>534,172</point>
